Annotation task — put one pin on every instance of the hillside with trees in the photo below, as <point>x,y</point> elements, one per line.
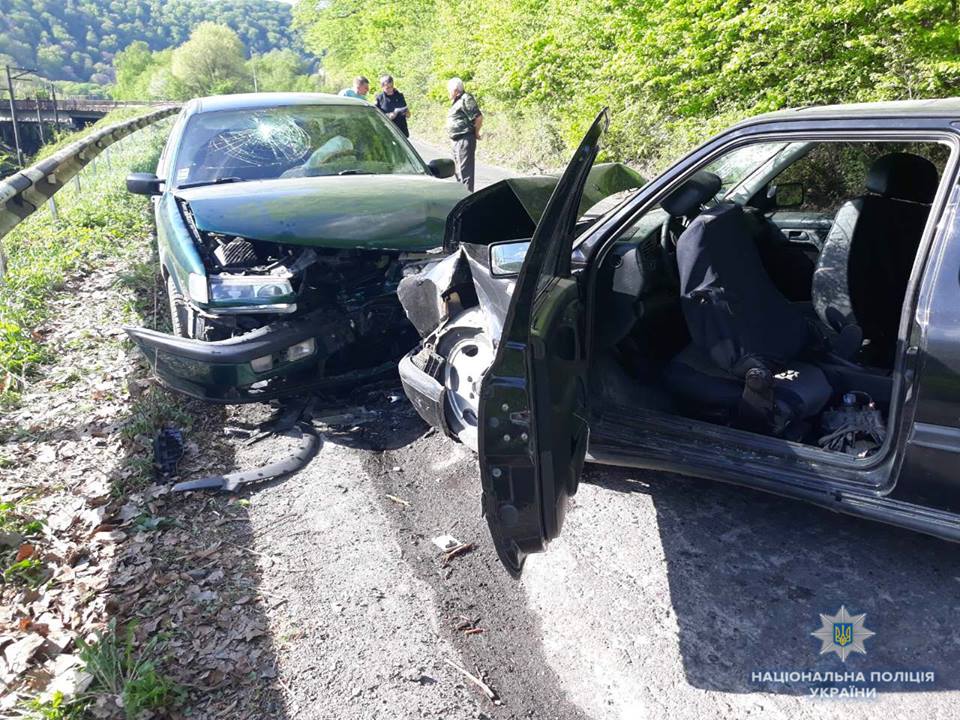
<point>670,70</point>
<point>77,40</point>
<point>212,61</point>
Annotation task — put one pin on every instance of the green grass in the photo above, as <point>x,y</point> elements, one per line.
<point>123,674</point>
<point>29,571</point>
<point>62,139</point>
<point>56,708</point>
<point>120,669</point>
<point>42,253</point>
<point>13,519</point>
<point>146,297</point>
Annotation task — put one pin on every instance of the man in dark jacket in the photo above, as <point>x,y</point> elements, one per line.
<point>464,121</point>
<point>393,104</point>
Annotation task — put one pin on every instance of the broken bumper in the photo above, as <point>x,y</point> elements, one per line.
<point>422,387</point>
<point>224,371</point>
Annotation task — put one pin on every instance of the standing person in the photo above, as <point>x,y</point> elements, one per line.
<point>464,121</point>
<point>393,104</point>
<point>361,86</point>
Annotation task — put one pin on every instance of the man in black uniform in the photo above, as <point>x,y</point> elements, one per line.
<point>392,103</point>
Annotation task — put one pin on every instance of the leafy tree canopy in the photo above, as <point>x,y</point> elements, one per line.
<point>670,70</point>
<point>212,62</point>
<point>77,40</point>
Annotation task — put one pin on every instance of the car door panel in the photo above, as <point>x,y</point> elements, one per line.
<point>533,403</point>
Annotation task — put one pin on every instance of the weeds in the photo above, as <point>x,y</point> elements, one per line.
<point>99,221</point>
<point>142,280</point>
<point>124,680</point>
<point>56,708</point>
<point>13,520</point>
<point>29,571</point>
<point>123,673</point>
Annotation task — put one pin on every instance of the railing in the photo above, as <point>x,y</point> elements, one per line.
<point>25,191</point>
<point>68,103</point>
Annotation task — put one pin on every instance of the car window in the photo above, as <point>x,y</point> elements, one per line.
<point>737,165</point>
<point>831,173</point>
<point>293,141</point>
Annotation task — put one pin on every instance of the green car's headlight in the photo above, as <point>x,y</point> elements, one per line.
<point>249,289</point>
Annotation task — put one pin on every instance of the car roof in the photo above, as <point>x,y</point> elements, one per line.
<point>257,101</point>
<point>940,107</point>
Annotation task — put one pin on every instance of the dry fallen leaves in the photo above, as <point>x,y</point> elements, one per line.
<point>141,556</point>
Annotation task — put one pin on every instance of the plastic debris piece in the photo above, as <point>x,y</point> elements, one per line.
<point>168,451</point>
<point>308,447</point>
<point>446,542</point>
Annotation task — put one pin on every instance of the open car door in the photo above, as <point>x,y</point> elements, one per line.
<point>533,401</point>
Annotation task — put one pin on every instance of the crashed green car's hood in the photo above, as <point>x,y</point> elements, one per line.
<point>603,181</point>
<point>510,209</point>
<point>395,212</point>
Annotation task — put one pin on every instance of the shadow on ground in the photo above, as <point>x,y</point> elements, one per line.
<point>749,573</point>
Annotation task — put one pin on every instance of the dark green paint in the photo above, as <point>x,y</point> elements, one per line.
<point>369,212</point>
<point>603,181</point>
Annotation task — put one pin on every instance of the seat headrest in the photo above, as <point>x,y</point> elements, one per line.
<point>687,199</point>
<point>903,176</point>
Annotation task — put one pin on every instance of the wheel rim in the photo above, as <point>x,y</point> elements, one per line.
<point>467,361</point>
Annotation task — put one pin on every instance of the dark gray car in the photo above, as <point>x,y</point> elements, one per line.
<point>777,309</point>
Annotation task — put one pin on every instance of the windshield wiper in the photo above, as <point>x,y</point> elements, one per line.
<point>354,172</point>
<point>215,181</point>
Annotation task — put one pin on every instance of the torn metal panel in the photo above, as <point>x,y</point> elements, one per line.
<point>424,295</point>
<point>510,209</point>
<point>493,293</point>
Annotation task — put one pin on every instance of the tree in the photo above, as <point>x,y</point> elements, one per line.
<point>97,28</point>
<point>281,71</point>
<point>211,62</point>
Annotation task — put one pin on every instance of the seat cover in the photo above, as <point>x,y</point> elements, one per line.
<point>863,270</point>
<point>800,391</point>
<point>735,314</point>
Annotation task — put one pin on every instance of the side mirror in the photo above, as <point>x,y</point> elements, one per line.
<point>141,183</point>
<point>787,195</point>
<point>506,258</point>
<point>442,167</point>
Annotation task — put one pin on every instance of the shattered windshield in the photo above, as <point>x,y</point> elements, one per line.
<point>737,165</point>
<point>294,141</point>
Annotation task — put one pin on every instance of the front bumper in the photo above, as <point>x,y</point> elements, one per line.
<point>423,388</point>
<point>221,371</point>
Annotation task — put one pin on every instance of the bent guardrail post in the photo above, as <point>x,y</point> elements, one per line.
<point>25,191</point>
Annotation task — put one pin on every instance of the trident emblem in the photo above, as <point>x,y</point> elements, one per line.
<point>843,634</point>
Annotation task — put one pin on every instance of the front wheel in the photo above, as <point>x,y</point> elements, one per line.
<point>469,352</point>
<point>179,312</point>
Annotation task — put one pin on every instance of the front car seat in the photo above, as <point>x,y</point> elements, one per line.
<point>682,206</point>
<point>739,323</point>
<point>862,273</point>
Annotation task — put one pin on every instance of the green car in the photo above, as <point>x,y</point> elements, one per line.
<point>284,224</point>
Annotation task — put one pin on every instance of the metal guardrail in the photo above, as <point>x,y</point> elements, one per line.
<point>25,191</point>
<point>69,102</point>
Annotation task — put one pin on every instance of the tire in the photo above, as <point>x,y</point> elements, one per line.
<point>468,351</point>
<point>179,313</point>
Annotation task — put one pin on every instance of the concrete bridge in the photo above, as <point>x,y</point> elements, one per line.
<point>76,111</point>
<point>37,118</point>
